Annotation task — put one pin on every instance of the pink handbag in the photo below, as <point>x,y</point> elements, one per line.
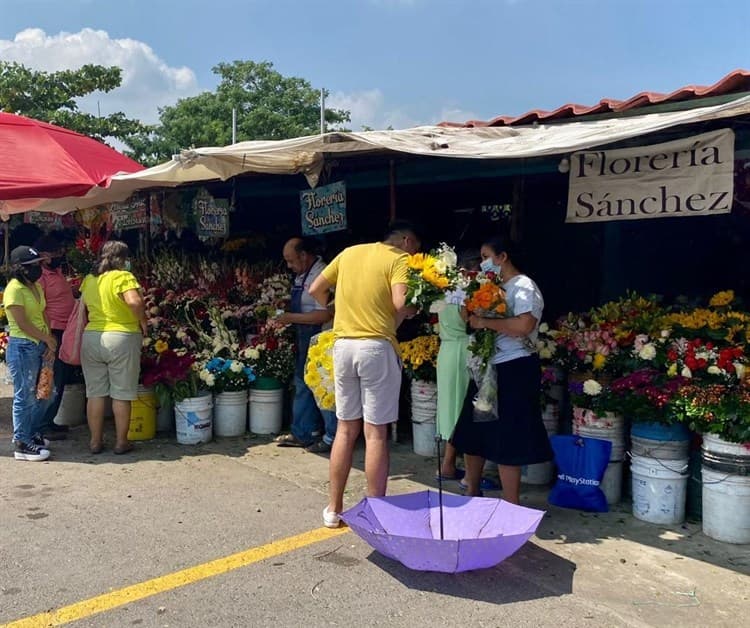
<point>70,347</point>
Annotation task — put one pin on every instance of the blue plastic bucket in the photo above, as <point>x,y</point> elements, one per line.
<point>659,431</point>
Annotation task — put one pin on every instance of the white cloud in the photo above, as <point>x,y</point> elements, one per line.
<point>148,82</point>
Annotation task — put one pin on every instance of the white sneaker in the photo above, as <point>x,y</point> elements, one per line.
<point>331,519</point>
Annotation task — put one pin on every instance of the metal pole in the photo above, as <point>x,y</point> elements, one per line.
<point>440,484</point>
<point>234,125</point>
<point>322,111</point>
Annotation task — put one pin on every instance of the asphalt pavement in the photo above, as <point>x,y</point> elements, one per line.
<point>229,534</point>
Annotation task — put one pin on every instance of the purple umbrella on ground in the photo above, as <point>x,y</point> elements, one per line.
<point>478,532</point>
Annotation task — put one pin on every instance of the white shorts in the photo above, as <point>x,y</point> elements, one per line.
<point>367,377</point>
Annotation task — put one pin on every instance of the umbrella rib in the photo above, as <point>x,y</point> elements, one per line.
<point>494,510</point>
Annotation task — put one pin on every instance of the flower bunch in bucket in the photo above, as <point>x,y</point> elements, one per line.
<point>419,357</point>
<point>226,375</point>
<point>271,352</point>
<point>319,370</point>
<point>173,377</point>
<point>430,276</point>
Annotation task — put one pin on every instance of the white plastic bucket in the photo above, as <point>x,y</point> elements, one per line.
<point>543,473</point>
<point>230,413</point>
<point>659,489</point>
<point>611,428</point>
<point>72,409</point>
<point>726,506</point>
<point>193,420</point>
<point>423,401</point>
<point>718,445</point>
<point>424,438</point>
<point>612,482</point>
<point>266,410</point>
<point>659,449</point>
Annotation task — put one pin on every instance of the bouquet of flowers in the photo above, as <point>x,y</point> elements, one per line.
<point>420,357</point>
<point>173,377</point>
<point>485,297</point>
<point>82,257</point>
<point>226,375</point>
<point>704,360</point>
<point>273,295</point>
<point>430,275</point>
<point>717,409</point>
<point>644,395</point>
<point>591,401</point>
<point>3,344</point>
<point>271,351</point>
<point>319,370</point>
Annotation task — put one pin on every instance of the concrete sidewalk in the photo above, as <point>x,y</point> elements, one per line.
<point>79,524</point>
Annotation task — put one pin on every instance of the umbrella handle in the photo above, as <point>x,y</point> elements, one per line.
<point>440,483</point>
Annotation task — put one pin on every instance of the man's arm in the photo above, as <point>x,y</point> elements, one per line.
<point>320,290</point>
<point>398,296</point>
<point>316,317</point>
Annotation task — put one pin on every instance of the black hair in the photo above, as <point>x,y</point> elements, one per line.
<point>305,245</point>
<point>112,257</point>
<point>470,259</point>
<point>47,244</point>
<point>16,272</point>
<point>397,227</point>
<point>502,244</point>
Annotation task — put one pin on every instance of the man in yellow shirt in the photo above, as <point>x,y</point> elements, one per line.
<point>370,282</point>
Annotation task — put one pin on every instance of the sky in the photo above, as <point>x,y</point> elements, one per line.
<point>398,63</point>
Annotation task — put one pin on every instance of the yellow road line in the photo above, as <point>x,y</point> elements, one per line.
<point>135,592</point>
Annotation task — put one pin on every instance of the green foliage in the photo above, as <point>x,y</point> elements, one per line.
<point>51,97</point>
<point>269,106</point>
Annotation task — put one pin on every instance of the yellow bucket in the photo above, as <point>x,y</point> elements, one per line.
<point>143,415</point>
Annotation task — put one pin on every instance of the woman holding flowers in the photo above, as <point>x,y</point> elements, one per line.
<point>518,437</point>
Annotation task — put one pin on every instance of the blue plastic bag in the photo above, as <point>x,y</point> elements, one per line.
<point>581,463</point>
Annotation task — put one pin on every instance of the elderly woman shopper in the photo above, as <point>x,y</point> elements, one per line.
<point>29,340</point>
<point>518,437</point>
<point>111,345</point>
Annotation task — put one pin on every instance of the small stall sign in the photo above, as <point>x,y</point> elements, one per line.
<point>49,220</point>
<point>211,215</point>
<point>323,209</point>
<point>132,214</point>
<point>692,176</point>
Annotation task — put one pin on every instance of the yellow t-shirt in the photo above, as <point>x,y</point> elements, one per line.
<point>107,310</point>
<point>363,276</point>
<point>17,293</point>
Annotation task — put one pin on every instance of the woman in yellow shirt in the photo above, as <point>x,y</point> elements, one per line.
<point>111,345</point>
<point>28,341</point>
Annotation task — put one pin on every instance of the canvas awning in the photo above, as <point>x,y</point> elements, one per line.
<point>306,155</point>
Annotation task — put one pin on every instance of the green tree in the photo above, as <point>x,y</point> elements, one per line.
<point>51,97</point>
<point>269,107</point>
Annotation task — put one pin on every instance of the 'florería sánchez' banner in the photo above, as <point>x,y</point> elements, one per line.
<point>323,209</point>
<point>692,176</point>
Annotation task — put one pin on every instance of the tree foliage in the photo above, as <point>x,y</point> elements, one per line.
<point>51,97</point>
<point>269,107</point>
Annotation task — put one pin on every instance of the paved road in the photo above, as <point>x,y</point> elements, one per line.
<point>81,526</point>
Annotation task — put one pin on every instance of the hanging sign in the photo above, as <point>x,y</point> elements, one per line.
<point>49,220</point>
<point>132,214</point>
<point>692,176</point>
<point>323,209</point>
<point>211,215</point>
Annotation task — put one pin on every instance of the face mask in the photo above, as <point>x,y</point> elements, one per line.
<point>56,262</point>
<point>488,266</point>
<point>128,265</point>
<point>32,272</point>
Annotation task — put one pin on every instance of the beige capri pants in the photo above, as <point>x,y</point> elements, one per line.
<point>111,362</point>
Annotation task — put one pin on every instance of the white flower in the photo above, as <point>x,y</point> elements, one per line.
<point>441,267</point>
<point>647,352</point>
<point>543,328</point>
<point>147,341</point>
<point>251,354</point>
<point>447,255</point>
<point>665,333</point>
<point>591,387</point>
<point>714,370</point>
<point>686,372</point>
<point>154,311</point>
<point>210,380</point>
<point>235,366</point>
<point>545,354</point>
<point>203,375</point>
<point>739,369</point>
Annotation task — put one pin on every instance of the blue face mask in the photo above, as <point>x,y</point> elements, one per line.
<point>488,266</point>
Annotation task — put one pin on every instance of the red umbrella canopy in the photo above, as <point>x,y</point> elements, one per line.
<point>40,160</point>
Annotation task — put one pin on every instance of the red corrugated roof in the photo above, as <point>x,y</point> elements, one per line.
<point>737,81</point>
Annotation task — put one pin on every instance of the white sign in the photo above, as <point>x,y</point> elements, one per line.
<point>692,176</point>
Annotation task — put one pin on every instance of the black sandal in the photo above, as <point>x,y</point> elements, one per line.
<point>288,440</point>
